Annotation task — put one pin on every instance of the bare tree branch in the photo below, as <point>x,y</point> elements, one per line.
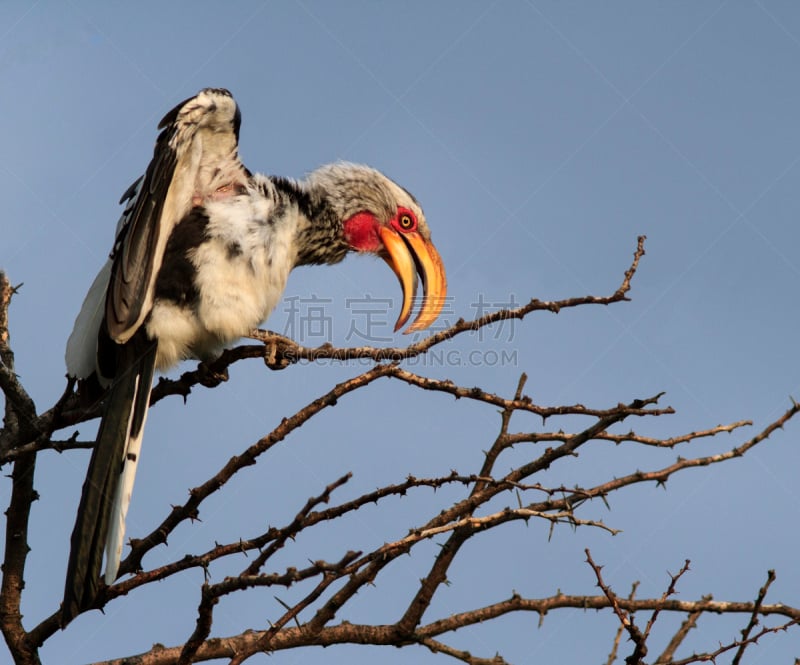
<point>524,403</point>
<point>680,635</point>
<point>748,629</point>
<point>711,656</point>
<point>618,636</point>
<point>632,437</point>
<point>290,637</point>
<point>625,619</point>
<point>465,656</point>
<point>671,590</point>
<point>20,412</point>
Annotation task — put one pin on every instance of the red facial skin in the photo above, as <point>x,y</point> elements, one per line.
<point>361,230</point>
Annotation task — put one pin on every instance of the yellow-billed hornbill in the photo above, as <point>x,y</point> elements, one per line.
<point>201,257</point>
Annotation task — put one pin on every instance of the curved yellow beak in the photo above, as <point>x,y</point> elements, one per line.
<point>407,254</point>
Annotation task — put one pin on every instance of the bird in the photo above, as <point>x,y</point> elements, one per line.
<point>201,256</point>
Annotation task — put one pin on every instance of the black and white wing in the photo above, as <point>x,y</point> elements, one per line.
<point>197,136</point>
<point>196,154</point>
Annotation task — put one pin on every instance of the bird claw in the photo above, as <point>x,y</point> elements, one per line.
<point>274,356</point>
<point>211,378</point>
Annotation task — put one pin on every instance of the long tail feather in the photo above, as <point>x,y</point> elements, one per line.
<point>122,496</point>
<point>122,423</point>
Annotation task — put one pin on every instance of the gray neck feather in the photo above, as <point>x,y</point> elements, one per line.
<point>319,236</point>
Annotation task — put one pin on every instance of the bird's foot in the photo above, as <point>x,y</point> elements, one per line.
<point>276,355</point>
<point>209,377</point>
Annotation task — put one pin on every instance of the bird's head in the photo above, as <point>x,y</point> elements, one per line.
<point>380,217</point>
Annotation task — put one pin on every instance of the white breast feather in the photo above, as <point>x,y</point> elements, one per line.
<point>238,290</point>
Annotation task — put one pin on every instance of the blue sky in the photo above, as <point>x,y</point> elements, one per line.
<point>541,139</point>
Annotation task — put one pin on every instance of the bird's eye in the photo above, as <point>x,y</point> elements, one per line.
<point>405,220</point>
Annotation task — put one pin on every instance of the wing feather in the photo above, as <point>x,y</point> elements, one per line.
<point>199,138</point>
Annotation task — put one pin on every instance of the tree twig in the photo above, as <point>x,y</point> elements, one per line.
<point>625,620</point>
<point>748,629</point>
<point>621,629</point>
<point>677,639</point>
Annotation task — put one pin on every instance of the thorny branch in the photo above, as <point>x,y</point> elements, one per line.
<point>711,656</point>
<point>748,629</point>
<point>680,635</point>
<point>325,587</point>
<point>615,646</point>
<point>17,422</point>
<point>626,620</point>
<point>639,638</point>
<point>344,632</point>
